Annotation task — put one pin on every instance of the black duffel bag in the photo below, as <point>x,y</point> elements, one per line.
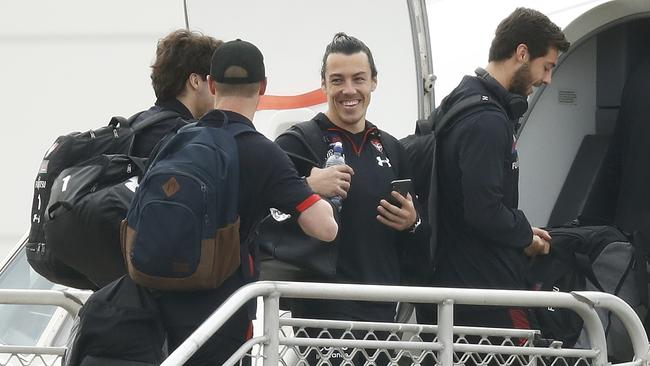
<point>69,151</point>
<point>118,325</point>
<point>87,203</point>
<point>288,254</point>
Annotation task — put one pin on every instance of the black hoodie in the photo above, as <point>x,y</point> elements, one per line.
<point>482,233</point>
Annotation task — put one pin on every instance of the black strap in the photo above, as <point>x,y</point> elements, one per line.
<point>141,125</point>
<point>583,263</point>
<point>149,121</point>
<point>462,106</point>
<point>311,136</point>
<point>236,128</point>
<point>424,126</point>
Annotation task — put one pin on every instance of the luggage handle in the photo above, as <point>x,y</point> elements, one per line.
<point>140,163</point>
<point>55,207</point>
<point>117,121</point>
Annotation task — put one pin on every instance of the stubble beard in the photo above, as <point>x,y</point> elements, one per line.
<point>522,81</point>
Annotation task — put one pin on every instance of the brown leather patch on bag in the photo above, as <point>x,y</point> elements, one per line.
<point>171,187</point>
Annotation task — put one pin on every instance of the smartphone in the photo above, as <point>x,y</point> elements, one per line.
<point>401,186</point>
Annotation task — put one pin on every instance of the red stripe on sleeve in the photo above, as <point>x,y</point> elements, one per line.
<point>307,203</point>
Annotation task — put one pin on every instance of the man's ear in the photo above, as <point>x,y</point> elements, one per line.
<point>193,80</point>
<point>212,85</point>
<point>263,86</point>
<point>373,84</point>
<point>522,54</point>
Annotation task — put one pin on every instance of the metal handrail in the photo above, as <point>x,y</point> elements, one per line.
<point>64,299</point>
<point>582,303</point>
<point>55,351</point>
<point>398,327</point>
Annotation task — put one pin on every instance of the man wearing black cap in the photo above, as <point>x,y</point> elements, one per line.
<point>267,179</point>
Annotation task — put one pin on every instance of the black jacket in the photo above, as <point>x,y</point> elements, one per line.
<point>145,142</point>
<point>369,252</point>
<point>482,234</point>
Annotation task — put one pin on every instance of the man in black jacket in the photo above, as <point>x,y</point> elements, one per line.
<point>484,239</point>
<point>179,80</point>
<point>373,231</point>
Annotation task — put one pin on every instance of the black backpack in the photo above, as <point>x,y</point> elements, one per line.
<point>590,258</point>
<point>82,221</point>
<point>73,151</point>
<point>421,149</point>
<point>118,325</point>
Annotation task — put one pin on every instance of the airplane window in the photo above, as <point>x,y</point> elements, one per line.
<point>23,324</point>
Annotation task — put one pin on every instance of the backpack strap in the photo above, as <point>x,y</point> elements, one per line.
<point>583,263</point>
<point>238,128</point>
<point>442,123</point>
<point>424,126</point>
<point>138,126</point>
<point>311,136</point>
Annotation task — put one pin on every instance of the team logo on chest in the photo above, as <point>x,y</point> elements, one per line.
<point>377,144</point>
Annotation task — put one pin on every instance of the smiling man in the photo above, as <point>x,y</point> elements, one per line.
<point>484,239</point>
<point>373,232</point>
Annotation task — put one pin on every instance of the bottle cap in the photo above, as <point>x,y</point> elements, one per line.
<point>338,147</point>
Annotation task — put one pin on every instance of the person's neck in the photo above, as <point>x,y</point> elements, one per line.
<point>244,106</point>
<point>501,72</point>
<point>352,128</point>
<point>189,103</point>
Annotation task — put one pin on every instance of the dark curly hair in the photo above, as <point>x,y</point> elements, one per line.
<point>178,55</point>
<point>529,27</point>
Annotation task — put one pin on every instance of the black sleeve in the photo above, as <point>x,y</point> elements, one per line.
<point>282,188</point>
<point>482,164</point>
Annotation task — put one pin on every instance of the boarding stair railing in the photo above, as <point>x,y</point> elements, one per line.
<point>287,341</point>
<point>68,300</point>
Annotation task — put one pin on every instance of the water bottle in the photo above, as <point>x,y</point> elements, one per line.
<point>336,159</point>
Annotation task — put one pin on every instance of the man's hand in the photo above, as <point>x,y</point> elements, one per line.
<point>537,246</point>
<point>541,233</point>
<point>332,181</point>
<point>398,218</point>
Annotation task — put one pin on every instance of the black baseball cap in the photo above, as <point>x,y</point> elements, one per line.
<point>237,53</point>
